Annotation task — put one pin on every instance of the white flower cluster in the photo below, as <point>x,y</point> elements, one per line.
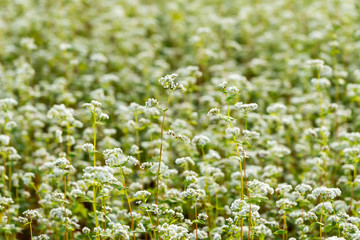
<point>168,82</point>
<point>327,193</point>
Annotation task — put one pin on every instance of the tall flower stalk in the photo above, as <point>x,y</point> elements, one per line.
<point>167,82</point>
<point>97,116</point>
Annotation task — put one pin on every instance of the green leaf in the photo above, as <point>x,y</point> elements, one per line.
<point>118,187</point>
<point>280,232</point>
<point>230,97</point>
<point>319,223</point>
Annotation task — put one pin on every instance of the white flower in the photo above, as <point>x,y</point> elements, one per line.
<point>151,102</point>
<point>4,139</point>
<point>30,214</point>
<point>88,147</point>
<point>184,160</point>
<point>328,193</point>
<point>320,82</point>
<point>200,140</point>
<point>142,195</point>
<point>246,107</point>
<point>276,108</point>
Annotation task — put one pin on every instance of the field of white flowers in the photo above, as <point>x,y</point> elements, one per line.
<point>183,119</point>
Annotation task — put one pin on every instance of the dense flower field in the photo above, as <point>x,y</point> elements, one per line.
<point>172,120</point>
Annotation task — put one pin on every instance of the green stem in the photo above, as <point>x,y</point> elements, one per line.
<point>128,200</point>
<point>31,235</point>
<point>161,146</point>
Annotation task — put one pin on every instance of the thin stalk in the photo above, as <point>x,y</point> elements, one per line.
<point>241,169</point>
<point>285,225</point>
<point>152,226</point>
<point>66,222</point>
<point>161,146</point>
<point>128,200</point>
<point>95,213</point>
<point>196,225</point>
<point>103,200</point>
<point>352,186</point>
<point>208,196</point>
<point>232,233</point>
<point>31,235</point>
<point>10,173</point>
<point>322,211</point>
<point>94,188</point>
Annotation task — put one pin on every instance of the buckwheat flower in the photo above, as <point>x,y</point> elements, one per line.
<point>258,188</point>
<point>89,106</point>
<point>328,193</point>
<point>184,160</point>
<point>303,188</point>
<point>102,175</point>
<point>114,152</point>
<point>120,230</point>
<point>7,102</point>
<point>75,193</point>
<point>193,193</point>
<point>42,237</point>
<point>57,196</point>
<point>250,134</point>
<point>316,63</point>
<point>5,202</point>
<point>88,147</point>
<point>245,108</point>
<point>98,57</point>
<point>142,195</point>
<point>182,88</point>
<point>108,78</point>
<point>171,133</point>
<point>285,203</point>
<point>200,140</point>
<point>352,136</point>
<point>28,43</point>
<point>58,134</point>
<point>103,116</point>
<point>335,238</point>
<point>284,188</point>
<point>222,86</point>
<point>280,150</point>
<point>237,204</point>
<point>183,138</point>
<point>203,216</point>
<point>61,162</point>
<point>10,125</point>
<point>351,152</point>
<point>96,103</point>
<point>131,161</point>
<point>173,232</point>
<point>168,82</point>
<point>233,90</point>
<point>352,90</point>
<point>348,227</point>
<point>230,132</point>
<point>86,230</point>
<point>322,206</point>
<point>213,112</point>
<point>320,82</point>
<point>4,140</point>
<point>276,108</point>
<point>190,176</point>
<point>27,178</point>
<point>262,230</point>
<point>65,46</point>
<point>151,102</point>
<point>31,214</point>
